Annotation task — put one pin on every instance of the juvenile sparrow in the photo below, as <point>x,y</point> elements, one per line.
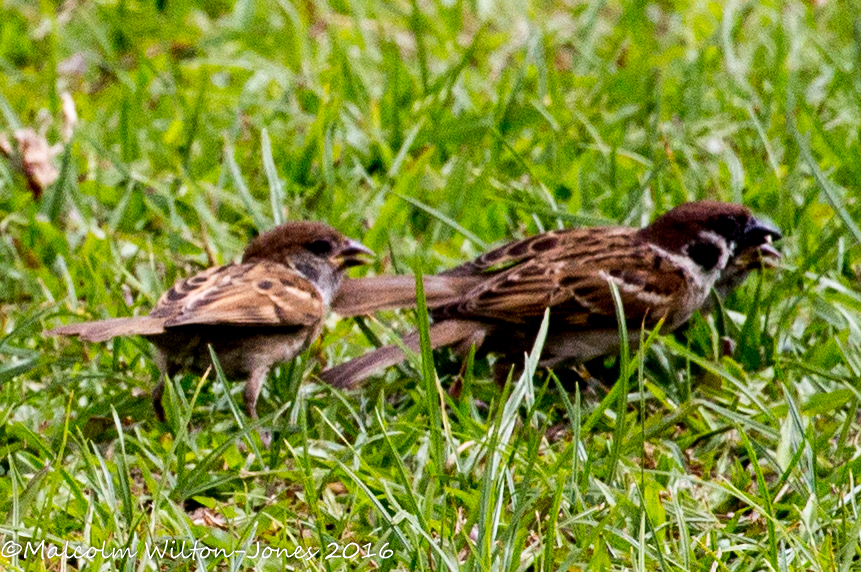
<point>255,314</point>
<point>496,302</point>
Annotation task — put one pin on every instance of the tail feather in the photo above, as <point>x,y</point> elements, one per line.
<point>361,296</point>
<point>449,332</point>
<point>103,330</point>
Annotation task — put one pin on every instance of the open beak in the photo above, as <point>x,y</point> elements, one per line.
<point>770,255</point>
<point>761,235</point>
<point>764,255</point>
<point>353,253</point>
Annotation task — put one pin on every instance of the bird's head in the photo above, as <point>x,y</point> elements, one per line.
<point>315,249</point>
<point>715,235</point>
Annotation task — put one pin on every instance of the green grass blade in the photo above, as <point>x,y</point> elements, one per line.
<point>260,222</point>
<point>277,191</point>
<point>435,407</point>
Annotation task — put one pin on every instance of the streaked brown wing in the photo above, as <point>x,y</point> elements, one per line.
<point>524,277</point>
<point>516,252</point>
<point>572,279</point>
<point>252,294</point>
<point>647,296</point>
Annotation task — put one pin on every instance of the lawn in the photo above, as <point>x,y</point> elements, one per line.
<point>173,131</point>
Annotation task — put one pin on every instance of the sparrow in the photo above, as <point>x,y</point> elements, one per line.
<point>664,273</point>
<point>255,314</point>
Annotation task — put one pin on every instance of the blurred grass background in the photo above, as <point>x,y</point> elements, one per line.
<point>430,130</point>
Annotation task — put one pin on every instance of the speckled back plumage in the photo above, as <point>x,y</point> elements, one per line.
<point>663,272</point>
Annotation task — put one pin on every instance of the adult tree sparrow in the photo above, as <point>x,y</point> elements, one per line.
<point>255,314</point>
<point>664,271</point>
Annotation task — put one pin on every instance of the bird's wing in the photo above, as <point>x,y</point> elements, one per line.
<point>516,252</point>
<point>251,294</point>
<point>570,274</point>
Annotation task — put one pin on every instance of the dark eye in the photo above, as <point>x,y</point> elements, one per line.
<point>705,254</point>
<point>320,247</point>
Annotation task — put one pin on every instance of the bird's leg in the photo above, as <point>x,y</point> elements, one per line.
<point>158,392</point>
<point>251,393</point>
<point>591,381</point>
<point>456,387</point>
<point>252,390</point>
<point>157,395</point>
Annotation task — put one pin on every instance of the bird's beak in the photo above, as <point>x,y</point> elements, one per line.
<point>353,253</point>
<point>761,235</point>
<point>770,255</point>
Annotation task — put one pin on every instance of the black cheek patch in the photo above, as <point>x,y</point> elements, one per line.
<point>705,254</point>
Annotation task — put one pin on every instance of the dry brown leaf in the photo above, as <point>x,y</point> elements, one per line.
<point>203,516</point>
<point>32,158</point>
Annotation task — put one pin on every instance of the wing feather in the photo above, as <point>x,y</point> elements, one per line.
<point>571,277</point>
<point>252,294</point>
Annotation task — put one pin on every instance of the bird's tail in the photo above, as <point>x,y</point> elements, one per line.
<point>103,330</point>
<point>446,333</point>
<point>361,296</point>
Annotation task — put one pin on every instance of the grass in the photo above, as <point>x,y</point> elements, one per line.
<point>430,130</point>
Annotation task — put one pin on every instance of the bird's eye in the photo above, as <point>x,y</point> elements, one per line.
<point>320,247</point>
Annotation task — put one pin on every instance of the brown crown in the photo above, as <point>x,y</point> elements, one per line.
<point>290,238</point>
